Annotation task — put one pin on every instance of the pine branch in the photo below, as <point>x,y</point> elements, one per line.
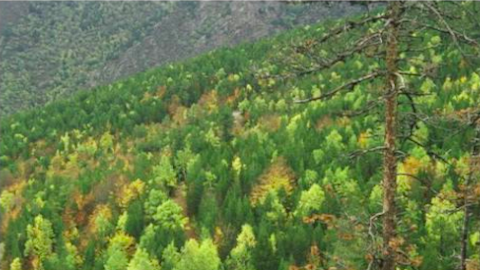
<point>452,33</point>
<point>359,46</point>
<point>360,153</point>
<point>371,224</point>
<point>368,108</point>
<point>349,26</point>
<point>350,85</point>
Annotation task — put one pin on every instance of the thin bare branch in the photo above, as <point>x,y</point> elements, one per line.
<point>413,124</point>
<point>359,46</point>
<point>349,85</point>
<point>368,108</point>
<point>359,153</point>
<point>447,26</point>
<point>349,26</point>
<point>406,73</point>
<point>372,235</point>
<point>430,152</point>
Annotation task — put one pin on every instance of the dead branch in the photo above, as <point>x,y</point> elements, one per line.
<point>418,179</point>
<point>459,35</point>
<point>410,73</point>
<point>359,46</point>
<point>349,26</point>
<point>353,113</point>
<point>350,85</point>
<point>452,33</point>
<point>359,153</point>
<point>413,124</point>
<point>372,235</point>
<point>430,152</point>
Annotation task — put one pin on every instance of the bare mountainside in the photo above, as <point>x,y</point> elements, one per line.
<point>189,31</point>
<point>50,50</point>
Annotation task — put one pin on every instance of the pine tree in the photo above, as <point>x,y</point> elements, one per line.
<point>203,256</point>
<point>40,240</point>
<point>16,264</point>
<point>170,216</point>
<point>141,260</point>
<point>170,257</point>
<point>116,255</point>
<point>310,200</point>
<point>241,255</point>
<point>164,174</point>
<point>387,38</point>
<point>117,259</point>
<point>135,219</point>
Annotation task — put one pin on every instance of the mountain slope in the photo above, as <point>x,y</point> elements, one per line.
<point>210,163</point>
<point>50,50</point>
<point>192,30</point>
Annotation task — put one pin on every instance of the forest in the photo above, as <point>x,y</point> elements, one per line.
<point>349,144</point>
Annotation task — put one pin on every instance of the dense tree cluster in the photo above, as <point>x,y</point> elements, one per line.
<point>211,164</point>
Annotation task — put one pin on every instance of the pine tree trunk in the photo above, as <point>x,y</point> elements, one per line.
<point>466,195</point>
<point>390,160</point>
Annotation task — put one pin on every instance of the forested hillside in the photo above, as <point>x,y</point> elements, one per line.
<point>48,50</point>
<point>264,156</point>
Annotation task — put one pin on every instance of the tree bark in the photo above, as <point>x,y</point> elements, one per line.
<point>394,10</point>
<point>466,196</point>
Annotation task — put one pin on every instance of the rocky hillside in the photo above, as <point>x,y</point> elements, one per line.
<point>50,50</point>
<point>197,27</point>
